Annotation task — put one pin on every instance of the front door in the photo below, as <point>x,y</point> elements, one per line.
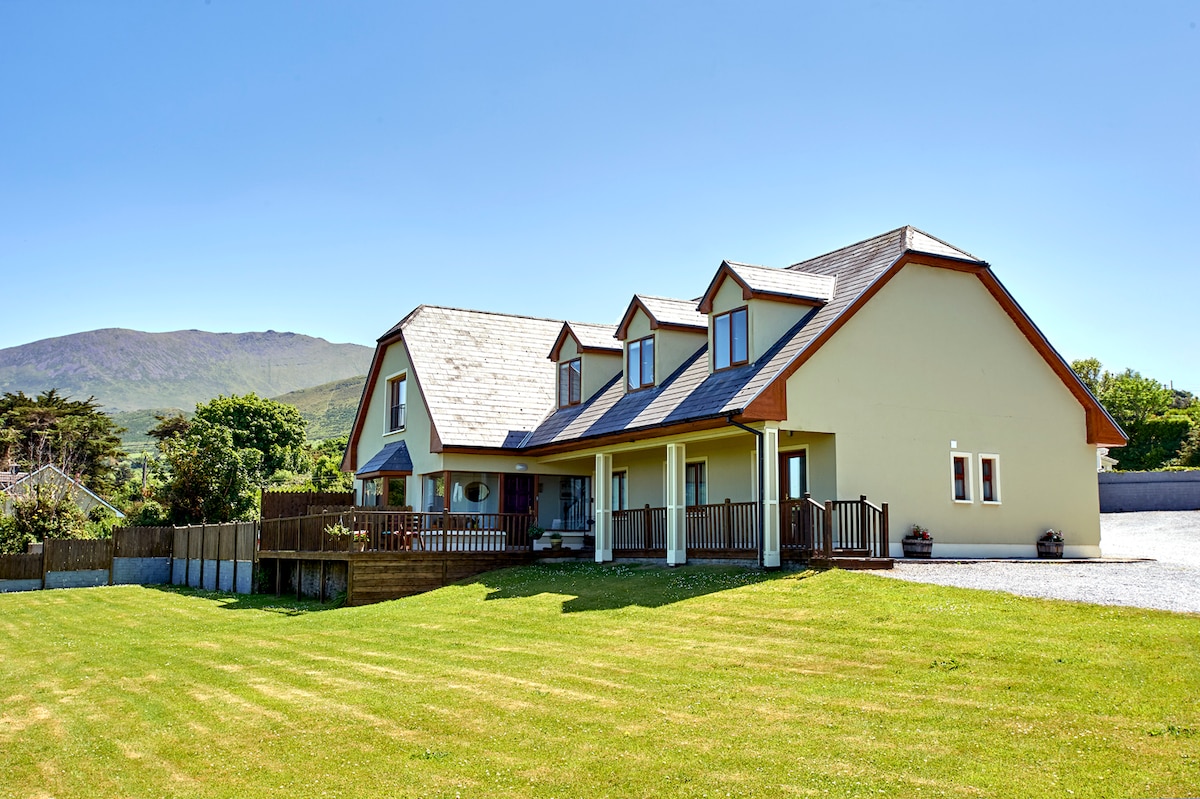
<point>795,522</point>
<point>519,493</point>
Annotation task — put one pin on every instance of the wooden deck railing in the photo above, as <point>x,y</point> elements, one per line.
<point>839,526</point>
<point>729,525</point>
<point>397,531</point>
<point>643,528</point>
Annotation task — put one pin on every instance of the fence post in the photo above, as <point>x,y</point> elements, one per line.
<point>862,523</point>
<point>45,559</point>
<point>884,532</point>
<point>112,552</point>
<point>646,527</point>
<point>727,522</point>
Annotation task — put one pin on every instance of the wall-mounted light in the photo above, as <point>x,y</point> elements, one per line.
<point>522,467</point>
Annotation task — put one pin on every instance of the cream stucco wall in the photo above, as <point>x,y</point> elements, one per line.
<point>932,363</point>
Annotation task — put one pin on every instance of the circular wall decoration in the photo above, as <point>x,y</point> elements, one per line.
<point>476,491</point>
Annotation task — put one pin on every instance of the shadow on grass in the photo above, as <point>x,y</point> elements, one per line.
<point>268,603</point>
<point>609,586</point>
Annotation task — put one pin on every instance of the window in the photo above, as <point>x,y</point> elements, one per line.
<point>397,392</point>
<point>639,363</point>
<point>695,489</point>
<point>570,385</point>
<point>989,479</point>
<point>961,470</point>
<point>372,493</point>
<point>433,494</point>
<point>730,346</point>
<point>574,504</point>
<point>620,491</point>
<point>395,491</point>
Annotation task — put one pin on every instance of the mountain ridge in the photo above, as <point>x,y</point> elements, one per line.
<point>127,370</point>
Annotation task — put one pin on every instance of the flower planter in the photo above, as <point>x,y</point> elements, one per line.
<point>917,547</point>
<point>1050,549</point>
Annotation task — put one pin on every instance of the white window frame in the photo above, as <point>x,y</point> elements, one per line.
<point>703,462</point>
<point>968,478</point>
<point>995,459</point>
<point>387,403</point>
<point>613,498</point>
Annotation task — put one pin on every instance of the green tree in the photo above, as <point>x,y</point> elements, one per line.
<point>210,480</point>
<point>275,430</point>
<point>1132,399</point>
<point>229,450</point>
<point>1090,371</point>
<point>74,435</point>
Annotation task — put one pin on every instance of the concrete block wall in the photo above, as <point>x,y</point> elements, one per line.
<point>1122,492</point>
<point>234,576</point>
<point>10,586</point>
<point>89,578</point>
<point>141,571</point>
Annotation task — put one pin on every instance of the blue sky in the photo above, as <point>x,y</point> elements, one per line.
<point>323,168</point>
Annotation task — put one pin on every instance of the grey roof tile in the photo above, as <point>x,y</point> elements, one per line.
<point>598,337</point>
<point>668,311</point>
<point>785,282</point>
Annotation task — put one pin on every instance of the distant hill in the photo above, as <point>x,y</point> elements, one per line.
<point>329,408</point>
<point>130,370</point>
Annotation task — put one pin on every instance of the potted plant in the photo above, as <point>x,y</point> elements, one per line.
<point>535,534</point>
<point>1050,545</point>
<point>338,536</point>
<point>556,540</point>
<point>918,543</point>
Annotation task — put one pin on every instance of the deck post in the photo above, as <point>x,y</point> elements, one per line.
<point>827,533</point>
<point>602,492</point>
<point>676,505</point>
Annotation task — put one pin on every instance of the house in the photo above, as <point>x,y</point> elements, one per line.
<point>58,483</point>
<point>780,402</point>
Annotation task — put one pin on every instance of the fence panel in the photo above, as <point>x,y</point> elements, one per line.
<point>64,555</point>
<point>21,567</point>
<point>289,504</point>
<point>143,542</point>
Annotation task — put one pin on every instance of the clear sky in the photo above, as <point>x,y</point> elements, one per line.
<point>324,167</point>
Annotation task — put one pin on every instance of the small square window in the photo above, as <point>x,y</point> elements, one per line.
<point>570,384</point>
<point>730,339</point>
<point>639,364</point>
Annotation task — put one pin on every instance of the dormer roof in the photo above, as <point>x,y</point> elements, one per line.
<point>767,282</point>
<point>663,313</point>
<point>589,338</point>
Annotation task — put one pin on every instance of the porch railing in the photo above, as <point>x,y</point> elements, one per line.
<point>397,531</point>
<point>838,527</point>
<point>641,528</point>
<point>729,525</point>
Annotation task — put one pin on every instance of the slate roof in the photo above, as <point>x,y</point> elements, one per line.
<point>393,457</point>
<point>691,393</point>
<point>784,282</point>
<point>667,311</point>
<point>484,376</point>
<point>598,337</point>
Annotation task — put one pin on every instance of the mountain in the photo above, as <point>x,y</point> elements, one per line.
<point>329,408</point>
<point>130,370</point>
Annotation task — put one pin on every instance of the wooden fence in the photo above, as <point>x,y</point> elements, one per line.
<point>287,504</point>
<point>837,527</point>
<point>644,529</point>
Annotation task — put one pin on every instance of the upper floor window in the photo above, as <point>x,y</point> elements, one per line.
<point>639,363</point>
<point>397,397</point>
<point>570,386</point>
<point>730,337</point>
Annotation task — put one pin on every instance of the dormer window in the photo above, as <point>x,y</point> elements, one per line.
<point>730,339</point>
<point>397,395</point>
<point>639,363</point>
<point>570,383</point>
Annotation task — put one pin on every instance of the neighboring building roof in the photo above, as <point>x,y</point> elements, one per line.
<point>589,337</point>
<point>483,376</point>
<point>771,282</point>
<point>663,312</point>
<point>50,471</point>
<point>393,458</point>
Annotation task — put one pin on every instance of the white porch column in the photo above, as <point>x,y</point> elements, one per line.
<point>770,494</point>
<point>676,505</point>
<point>602,493</point>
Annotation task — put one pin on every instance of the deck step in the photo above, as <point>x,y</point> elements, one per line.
<point>865,563</point>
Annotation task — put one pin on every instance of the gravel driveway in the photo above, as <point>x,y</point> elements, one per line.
<point>1171,581</point>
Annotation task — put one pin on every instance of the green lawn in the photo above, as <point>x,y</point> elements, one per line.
<point>581,681</point>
